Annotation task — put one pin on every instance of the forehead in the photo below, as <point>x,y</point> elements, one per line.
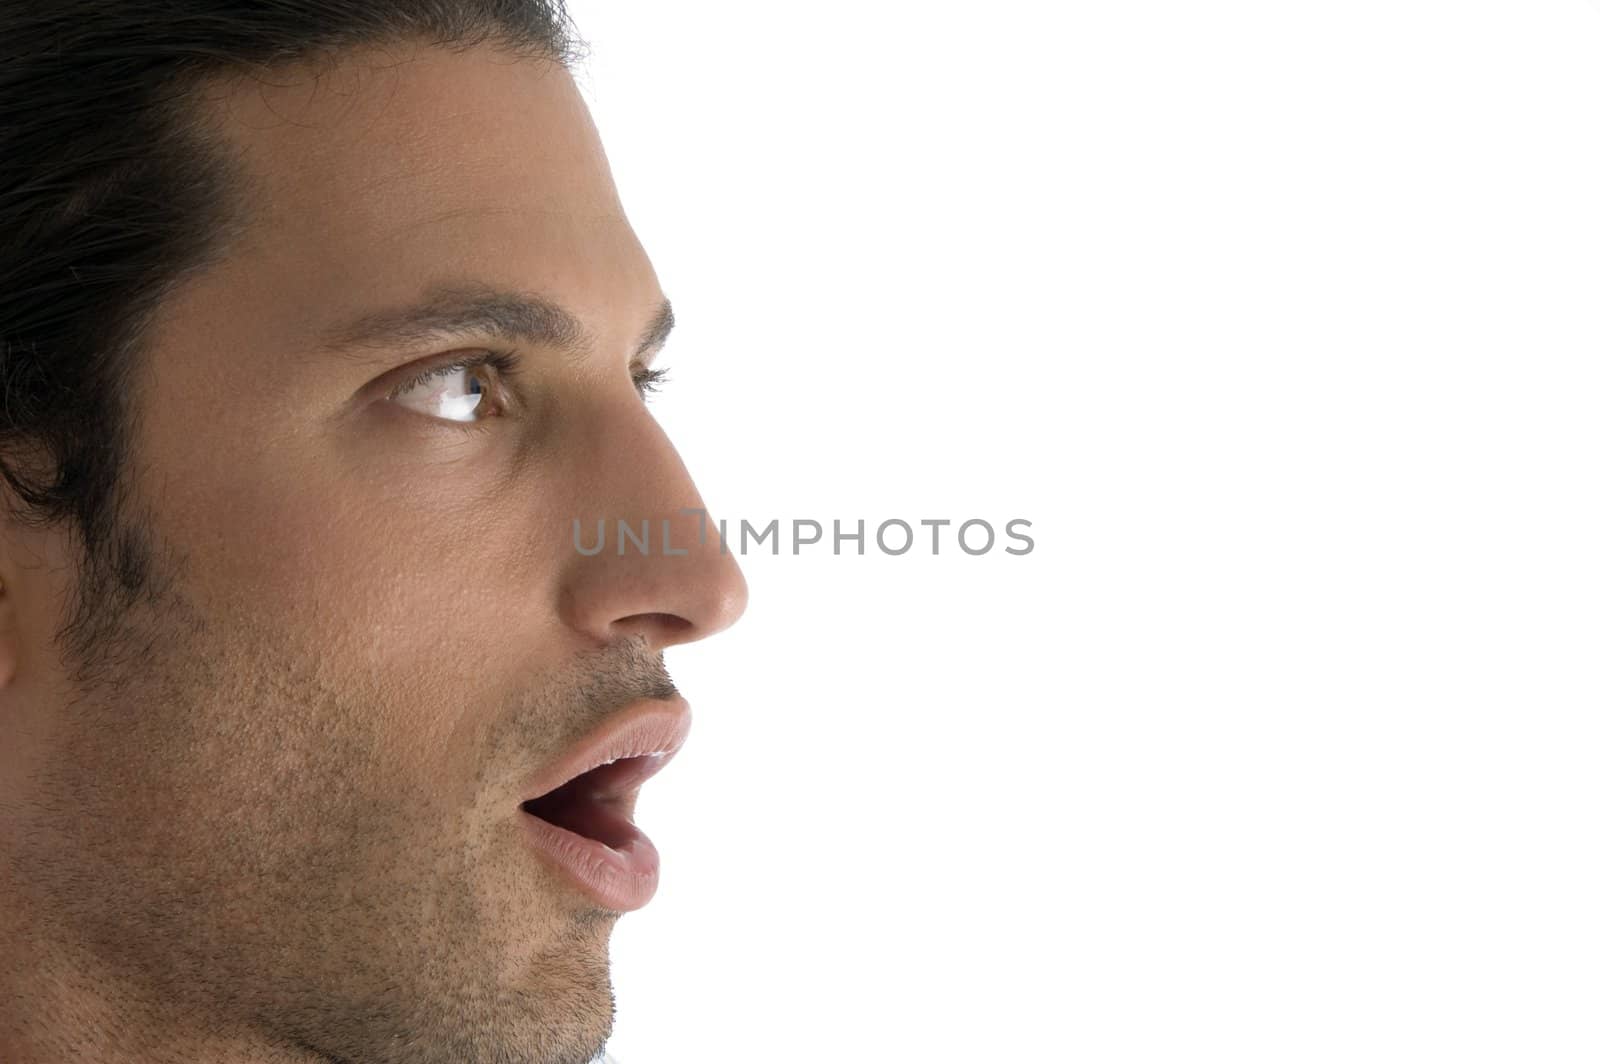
<point>374,177</point>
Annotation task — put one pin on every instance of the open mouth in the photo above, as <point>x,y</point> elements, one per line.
<point>580,818</point>
<point>598,804</point>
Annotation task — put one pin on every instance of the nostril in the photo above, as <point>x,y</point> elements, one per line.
<point>672,622</point>
<point>661,629</point>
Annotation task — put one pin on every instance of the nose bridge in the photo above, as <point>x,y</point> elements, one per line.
<point>646,559</point>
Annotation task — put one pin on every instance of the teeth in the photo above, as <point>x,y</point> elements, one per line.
<point>652,754</point>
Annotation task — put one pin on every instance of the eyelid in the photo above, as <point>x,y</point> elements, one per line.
<point>504,364</point>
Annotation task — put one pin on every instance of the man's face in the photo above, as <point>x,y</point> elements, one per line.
<point>283,807</point>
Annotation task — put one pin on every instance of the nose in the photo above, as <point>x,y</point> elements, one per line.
<point>644,557</point>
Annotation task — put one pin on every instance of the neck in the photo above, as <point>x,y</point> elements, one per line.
<point>59,1005</point>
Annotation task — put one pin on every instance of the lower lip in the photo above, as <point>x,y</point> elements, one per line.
<point>621,877</point>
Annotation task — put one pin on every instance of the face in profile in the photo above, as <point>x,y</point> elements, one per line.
<point>282,811</point>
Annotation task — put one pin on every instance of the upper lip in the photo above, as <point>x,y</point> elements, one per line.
<point>649,726</point>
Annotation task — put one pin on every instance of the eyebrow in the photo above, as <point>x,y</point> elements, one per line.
<point>453,312</point>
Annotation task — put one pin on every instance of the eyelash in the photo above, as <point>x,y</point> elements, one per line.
<point>648,381</point>
<point>506,365</point>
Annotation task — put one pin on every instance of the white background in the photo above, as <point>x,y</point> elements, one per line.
<point>1280,321</point>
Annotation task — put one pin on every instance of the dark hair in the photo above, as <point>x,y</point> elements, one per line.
<point>111,194</point>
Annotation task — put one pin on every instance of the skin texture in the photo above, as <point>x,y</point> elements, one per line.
<point>278,820</point>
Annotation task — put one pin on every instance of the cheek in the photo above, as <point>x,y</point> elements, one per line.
<point>428,574</point>
<point>368,612</point>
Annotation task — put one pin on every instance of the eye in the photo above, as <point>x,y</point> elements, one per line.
<point>462,391</point>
